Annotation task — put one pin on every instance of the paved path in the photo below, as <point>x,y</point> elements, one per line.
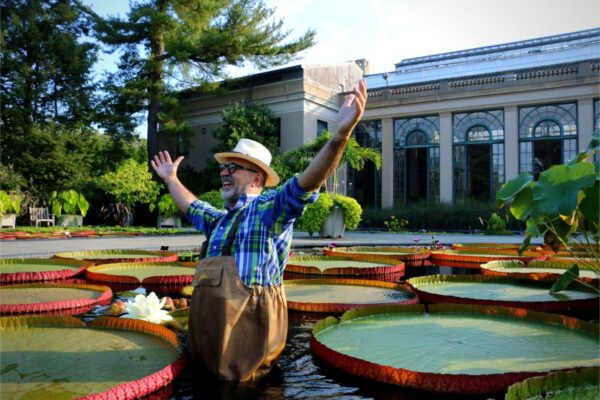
<point>47,247</point>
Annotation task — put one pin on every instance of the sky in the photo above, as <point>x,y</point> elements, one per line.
<point>387,31</point>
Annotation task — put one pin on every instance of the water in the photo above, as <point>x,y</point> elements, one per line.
<point>298,374</point>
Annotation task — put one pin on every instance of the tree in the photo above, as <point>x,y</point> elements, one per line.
<point>190,41</point>
<point>46,68</point>
<point>130,184</point>
<point>240,120</point>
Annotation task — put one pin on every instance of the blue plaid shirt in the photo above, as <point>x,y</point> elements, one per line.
<point>263,237</point>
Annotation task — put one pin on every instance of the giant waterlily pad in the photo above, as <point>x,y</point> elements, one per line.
<point>20,270</point>
<point>115,256</point>
<point>536,270</point>
<point>61,358</point>
<point>411,256</point>
<point>503,291</point>
<point>473,258</point>
<point>330,265</point>
<point>339,295</point>
<point>51,298</point>
<point>142,273</point>
<point>454,348</point>
<point>579,384</point>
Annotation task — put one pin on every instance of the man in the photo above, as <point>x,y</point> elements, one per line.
<point>238,315</point>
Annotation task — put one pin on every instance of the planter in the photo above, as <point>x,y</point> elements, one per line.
<point>69,220</point>
<point>334,226</point>
<point>9,220</point>
<point>171,222</point>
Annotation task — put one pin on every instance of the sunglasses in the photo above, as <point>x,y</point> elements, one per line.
<point>232,167</point>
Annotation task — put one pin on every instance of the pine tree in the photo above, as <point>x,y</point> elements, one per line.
<point>191,42</point>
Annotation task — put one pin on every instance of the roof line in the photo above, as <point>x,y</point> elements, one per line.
<point>589,33</point>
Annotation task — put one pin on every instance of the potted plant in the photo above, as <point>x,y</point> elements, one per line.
<point>168,212</point>
<point>10,206</point>
<point>330,215</point>
<point>69,207</point>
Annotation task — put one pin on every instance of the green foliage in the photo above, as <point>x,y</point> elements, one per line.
<point>70,201</point>
<point>496,225</point>
<point>9,178</point>
<point>316,214</point>
<point>131,183</point>
<point>10,203</point>
<point>242,120</point>
<point>166,206</point>
<point>247,120</point>
<point>46,67</point>
<point>213,198</point>
<point>462,215</point>
<point>395,224</point>
<point>298,159</point>
<point>565,279</point>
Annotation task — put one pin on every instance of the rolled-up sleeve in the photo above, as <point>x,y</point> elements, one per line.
<point>286,203</point>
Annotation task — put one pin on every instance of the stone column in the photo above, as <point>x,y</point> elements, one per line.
<point>446,171</point>
<point>585,122</point>
<point>511,142</point>
<point>387,163</point>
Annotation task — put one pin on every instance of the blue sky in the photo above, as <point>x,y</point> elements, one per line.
<point>387,31</point>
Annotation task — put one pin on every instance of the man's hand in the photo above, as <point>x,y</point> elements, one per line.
<point>164,167</point>
<point>352,109</point>
<point>327,160</point>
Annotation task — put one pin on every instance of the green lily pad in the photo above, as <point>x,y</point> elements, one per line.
<point>454,348</point>
<point>60,358</point>
<point>580,384</point>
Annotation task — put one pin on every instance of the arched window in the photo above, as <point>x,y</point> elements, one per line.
<point>478,154</point>
<point>416,160</point>
<point>547,136</point>
<point>365,185</point>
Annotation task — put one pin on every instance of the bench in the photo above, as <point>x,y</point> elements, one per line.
<point>39,215</point>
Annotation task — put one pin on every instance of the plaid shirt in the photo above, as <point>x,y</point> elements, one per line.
<point>264,236</point>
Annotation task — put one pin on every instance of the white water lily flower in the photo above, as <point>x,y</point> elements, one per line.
<point>147,309</point>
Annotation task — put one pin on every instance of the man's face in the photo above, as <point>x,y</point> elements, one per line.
<point>241,181</point>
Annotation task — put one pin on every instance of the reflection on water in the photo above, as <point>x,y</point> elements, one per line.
<point>298,374</point>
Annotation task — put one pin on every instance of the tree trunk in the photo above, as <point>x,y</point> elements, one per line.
<point>155,73</point>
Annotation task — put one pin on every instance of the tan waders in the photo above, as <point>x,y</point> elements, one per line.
<point>235,331</point>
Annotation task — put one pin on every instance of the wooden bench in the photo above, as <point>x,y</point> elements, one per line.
<point>38,215</point>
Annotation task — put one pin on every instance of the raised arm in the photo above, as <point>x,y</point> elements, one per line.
<point>328,158</point>
<point>167,170</point>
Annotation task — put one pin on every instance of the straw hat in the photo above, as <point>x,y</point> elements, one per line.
<point>257,154</point>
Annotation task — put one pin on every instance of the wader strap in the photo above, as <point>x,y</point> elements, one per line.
<point>226,249</point>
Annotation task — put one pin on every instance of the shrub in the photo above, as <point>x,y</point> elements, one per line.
<point>496,225</point>
<point>461,215</point>
<point>131,183</point>
<point>213,198</point>
<point>166,206</point>
<point>395,224</point>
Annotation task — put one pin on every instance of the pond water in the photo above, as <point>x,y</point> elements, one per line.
<point>298,374</point>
